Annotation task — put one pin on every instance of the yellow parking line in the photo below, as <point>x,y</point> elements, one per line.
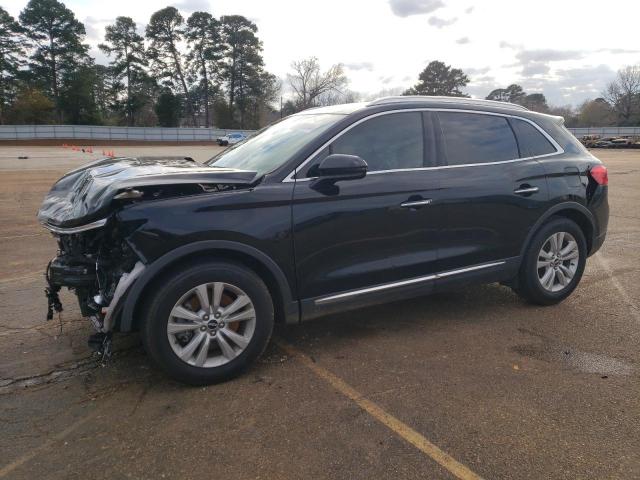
<point>398,427</point>
<point>633,308</point>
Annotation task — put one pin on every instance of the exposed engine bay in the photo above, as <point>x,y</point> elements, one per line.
<point>95,259</point>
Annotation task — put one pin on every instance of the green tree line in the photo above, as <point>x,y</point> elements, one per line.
<point>198,71</point>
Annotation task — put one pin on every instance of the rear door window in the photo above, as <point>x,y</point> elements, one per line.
<point>531,140</point>
<point>471,138</point>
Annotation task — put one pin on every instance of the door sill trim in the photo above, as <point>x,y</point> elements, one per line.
<point>386,286</point>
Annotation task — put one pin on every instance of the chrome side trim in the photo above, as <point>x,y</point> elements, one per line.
<point>417,203</point>
<point>81,228</point>
<point>410,281</point>
<point>527,190</point>
<point>470,269</point>
<point>375,289</point>
<point>559,149</point>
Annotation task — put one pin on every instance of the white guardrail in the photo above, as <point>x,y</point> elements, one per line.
<point>159,134</point>
<point>606,131</point>
<point>88,132</point>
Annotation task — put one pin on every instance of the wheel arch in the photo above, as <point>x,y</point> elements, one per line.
<point>571,210</point>
<point>286,308</point>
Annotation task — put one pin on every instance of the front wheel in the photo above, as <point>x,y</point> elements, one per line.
<point>553,264</point>
<point>208,323</point>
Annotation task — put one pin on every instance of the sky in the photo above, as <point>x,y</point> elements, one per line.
<point>567,49</point>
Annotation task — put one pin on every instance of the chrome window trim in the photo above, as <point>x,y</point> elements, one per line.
<point>410,281</point>
<point>559,150</point>
<point>82,228</point>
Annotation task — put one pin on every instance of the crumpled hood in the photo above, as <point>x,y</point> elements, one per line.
<point>85,194</point>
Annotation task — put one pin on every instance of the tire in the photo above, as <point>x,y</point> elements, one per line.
<point>165,336</point>
<point>535,282</point>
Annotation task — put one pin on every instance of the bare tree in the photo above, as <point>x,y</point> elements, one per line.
<point>311,87</point>
<point>624,94</point>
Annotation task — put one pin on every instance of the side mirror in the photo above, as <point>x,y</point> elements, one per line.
<point>341,167</point>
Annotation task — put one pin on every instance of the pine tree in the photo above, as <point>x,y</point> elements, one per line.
<point>11,59</point>
<point>166,31</point>
<point>56,37</point>
<point>243,62</point>
<point>440,79</point>
<point>205,55</point>
<point>127,47</point>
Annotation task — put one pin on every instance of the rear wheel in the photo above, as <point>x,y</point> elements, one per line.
<point>554,262</point>
<point>208,323</point>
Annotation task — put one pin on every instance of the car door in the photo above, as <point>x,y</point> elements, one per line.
<point>375,231</point>
<point>493,191</point>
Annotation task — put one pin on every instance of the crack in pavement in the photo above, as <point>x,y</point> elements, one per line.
<point>61,373</point>
<point>8,385</point>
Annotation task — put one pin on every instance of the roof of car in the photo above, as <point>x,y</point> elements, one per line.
<point>433,100</point>
<point>415,100</point>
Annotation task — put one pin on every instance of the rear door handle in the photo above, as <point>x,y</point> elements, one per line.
<point>526,190</point>
<point>416,203</point>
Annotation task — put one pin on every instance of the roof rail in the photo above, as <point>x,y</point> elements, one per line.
<point>437,99</point>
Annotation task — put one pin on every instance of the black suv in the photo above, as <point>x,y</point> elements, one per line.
<point>329,209</point>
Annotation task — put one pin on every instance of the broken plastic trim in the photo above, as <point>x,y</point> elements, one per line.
<point>81,228</point>
<point>123,285</point>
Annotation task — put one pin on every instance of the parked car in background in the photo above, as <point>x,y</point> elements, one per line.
<point>327,210</point>
<point>231,139</point>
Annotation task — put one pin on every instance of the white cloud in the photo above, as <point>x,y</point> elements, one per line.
<point>190,6</point>
<point>462,40</point>
<point>368,66</point>
<point>406,8</point>
<point>442,22</point>
<point>548,55</point>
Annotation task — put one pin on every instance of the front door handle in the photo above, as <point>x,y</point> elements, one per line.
<point>526,190</point>
<point>416,203</point>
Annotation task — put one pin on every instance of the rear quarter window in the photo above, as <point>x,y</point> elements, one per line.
<point>531,140</point>
<point>471,138</point>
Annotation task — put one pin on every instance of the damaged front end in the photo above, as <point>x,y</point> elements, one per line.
<point>95,258</point>
<point>99,266</point>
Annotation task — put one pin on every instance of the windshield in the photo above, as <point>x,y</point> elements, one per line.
<point>274,145</point>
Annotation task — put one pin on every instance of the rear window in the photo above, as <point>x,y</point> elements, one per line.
<point>477,138</point>
<point>532,142</point>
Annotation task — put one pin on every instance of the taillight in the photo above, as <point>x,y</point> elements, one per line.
<point>599,174</point>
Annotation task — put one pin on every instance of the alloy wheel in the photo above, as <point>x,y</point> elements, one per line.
<point>558,261</point>
<point>211,324</point>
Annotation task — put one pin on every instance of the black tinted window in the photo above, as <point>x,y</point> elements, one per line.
<point>532,141</point>
<point>386,142</point>
<point>477,138</point>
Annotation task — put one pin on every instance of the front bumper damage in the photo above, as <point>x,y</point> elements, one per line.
<point>99,267</point>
